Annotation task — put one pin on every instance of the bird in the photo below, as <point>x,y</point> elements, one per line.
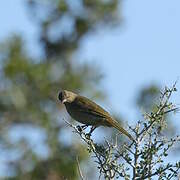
<point>88,112</point>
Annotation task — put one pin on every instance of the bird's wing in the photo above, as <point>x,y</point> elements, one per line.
<point>91,107</point>
<point>85,105</point>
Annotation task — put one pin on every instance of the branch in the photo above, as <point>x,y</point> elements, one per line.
<point>79,168</point>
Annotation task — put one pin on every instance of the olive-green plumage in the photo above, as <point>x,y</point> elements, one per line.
<point>87,112</point>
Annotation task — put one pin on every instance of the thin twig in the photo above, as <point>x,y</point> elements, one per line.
<point>79,168</point>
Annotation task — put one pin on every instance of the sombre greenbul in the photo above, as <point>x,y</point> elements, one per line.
<point>88,112</point>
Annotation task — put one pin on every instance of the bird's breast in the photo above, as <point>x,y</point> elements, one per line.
<point>81,115</point>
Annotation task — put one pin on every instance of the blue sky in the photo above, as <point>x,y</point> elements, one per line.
<point>143,50</point>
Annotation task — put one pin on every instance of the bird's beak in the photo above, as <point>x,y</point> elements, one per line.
<point>65,100</point>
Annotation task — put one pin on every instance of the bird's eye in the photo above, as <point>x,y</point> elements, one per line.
<point>60,96</point>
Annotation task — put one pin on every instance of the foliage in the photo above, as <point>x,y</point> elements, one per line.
<point>146,157</point>
<point>147,98</point>
<point>29,87</point>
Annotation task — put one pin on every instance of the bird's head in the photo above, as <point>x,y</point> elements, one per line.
<point>66,96</point>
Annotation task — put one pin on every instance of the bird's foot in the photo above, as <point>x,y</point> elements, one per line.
<point>90,132</point>
<point>81,128</point>
<point>88,135</point>
<point>84,127</point>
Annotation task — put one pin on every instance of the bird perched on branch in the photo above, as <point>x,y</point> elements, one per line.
<point>88,112</point>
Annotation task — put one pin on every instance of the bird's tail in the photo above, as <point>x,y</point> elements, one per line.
<point>115,124</point>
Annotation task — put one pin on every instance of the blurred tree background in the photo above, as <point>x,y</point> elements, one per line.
<point>33,138</point>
